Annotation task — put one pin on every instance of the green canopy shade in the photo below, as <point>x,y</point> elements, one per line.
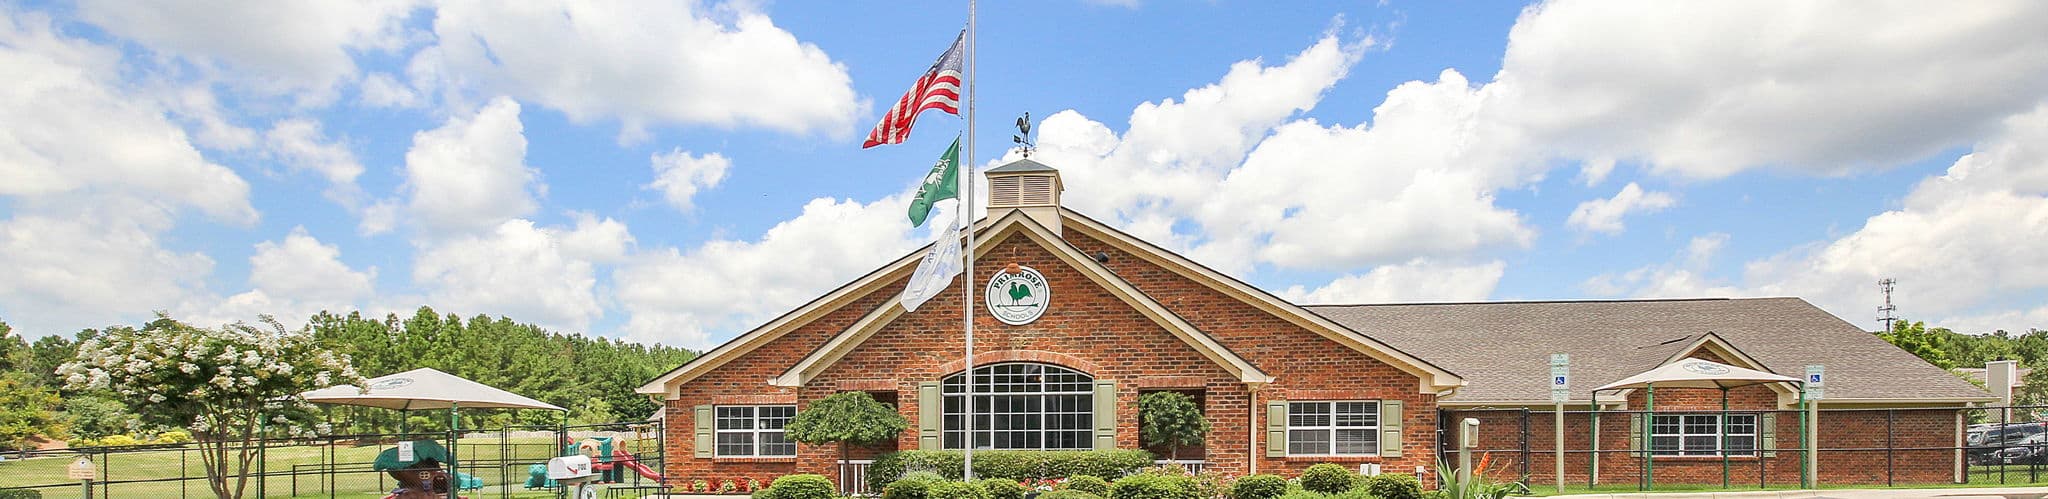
<point>422,450</point>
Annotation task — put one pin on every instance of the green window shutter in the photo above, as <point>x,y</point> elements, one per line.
<point>1276,428</point>
<point>705,438</point>
<point>931,416</point>
<point>1105,415</point>
<point>1635,432</point>
<point>1390,428</point>
<point>1767,429</point>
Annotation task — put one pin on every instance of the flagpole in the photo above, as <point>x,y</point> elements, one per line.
<point>967,282</point>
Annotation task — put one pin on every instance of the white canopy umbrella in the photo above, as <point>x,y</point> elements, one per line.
<point>425,388</point>
<point>1697,373</point>
<point>1694,373</point>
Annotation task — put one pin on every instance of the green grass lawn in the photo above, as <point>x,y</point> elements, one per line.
<point>179,473</point>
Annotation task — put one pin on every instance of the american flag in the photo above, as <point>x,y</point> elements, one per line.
<point>939,89</point>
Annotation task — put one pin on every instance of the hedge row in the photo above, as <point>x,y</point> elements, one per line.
<point>1013,465</point>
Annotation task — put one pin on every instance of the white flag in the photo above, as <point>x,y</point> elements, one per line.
<point>936,270</point>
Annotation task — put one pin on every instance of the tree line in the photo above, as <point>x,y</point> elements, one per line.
<point>1952,350</point>
<point>593,376</point>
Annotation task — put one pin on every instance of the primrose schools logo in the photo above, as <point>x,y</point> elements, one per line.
<point>392,383</point>
<point>1707,369</point>
<point>1017,295</point>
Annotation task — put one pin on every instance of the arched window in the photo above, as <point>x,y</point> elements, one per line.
<point>1023,406</point>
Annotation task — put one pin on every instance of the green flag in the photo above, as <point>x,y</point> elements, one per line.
<point>942,183</point>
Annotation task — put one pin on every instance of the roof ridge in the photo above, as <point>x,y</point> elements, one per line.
<point>1526,302</point>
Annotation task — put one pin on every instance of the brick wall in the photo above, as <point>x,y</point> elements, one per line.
<point>1085,328</point>
<point>1853,443</point>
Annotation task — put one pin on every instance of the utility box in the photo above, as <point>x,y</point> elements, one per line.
<point>570,469</point>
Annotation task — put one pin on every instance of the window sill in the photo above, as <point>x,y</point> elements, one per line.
<point>1336,459</point>
<point>754,459</point>
<point>1702,458</point>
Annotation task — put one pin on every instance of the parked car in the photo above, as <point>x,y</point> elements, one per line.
<point>2030,450</point>
<point>1987,441</point>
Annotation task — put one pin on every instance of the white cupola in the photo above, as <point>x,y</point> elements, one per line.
<point>1029,186</point>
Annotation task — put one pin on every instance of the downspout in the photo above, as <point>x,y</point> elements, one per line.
<point>1252,425</point>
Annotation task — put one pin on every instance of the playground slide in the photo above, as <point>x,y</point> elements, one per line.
<point>621,457</point>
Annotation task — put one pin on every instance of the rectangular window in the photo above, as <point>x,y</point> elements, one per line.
<point>1701,435</point>
<point>1337,428</point>
<point>754,430</point>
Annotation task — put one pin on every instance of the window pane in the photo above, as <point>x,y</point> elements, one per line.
<point>1357,441</point>
<point>773,444</point>
<point>1023,406</point>
<point>735,417</point>
<point>735,444</point>
<point>1301,414</point>
<point>1308,442</point>
<point>1357,414</point>
<point>1741,445</point>
<point>1664,445</point>
<point>1699,444</point>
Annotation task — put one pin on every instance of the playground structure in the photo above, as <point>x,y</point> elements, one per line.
<point>417,467</point>
<point>607,461</point>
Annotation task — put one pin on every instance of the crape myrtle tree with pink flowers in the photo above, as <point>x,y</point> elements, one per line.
<point>229,385</point>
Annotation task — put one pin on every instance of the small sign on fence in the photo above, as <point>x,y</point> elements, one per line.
<point>81,469</point>
<point>405,452</point>
<point>1816,382</point>
<point>1560,378</point>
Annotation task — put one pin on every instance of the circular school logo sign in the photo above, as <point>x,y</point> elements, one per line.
<point>1707,369</point>
<point>1017,298</point>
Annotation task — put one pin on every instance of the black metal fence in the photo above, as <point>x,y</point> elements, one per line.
<point>1694,449</point>
<point>334,466</point>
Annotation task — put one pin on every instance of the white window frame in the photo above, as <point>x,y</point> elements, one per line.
<point>1065,407</point>
<point>1685,437</point>
<point>756,428</point>
<point>1372,411</point>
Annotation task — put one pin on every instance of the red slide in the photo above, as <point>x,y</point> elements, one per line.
<point>622,458</point>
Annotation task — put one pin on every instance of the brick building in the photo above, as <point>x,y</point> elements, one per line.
<point>1094,317</point>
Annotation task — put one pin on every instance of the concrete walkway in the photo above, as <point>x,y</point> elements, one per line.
<point>1955,493</point>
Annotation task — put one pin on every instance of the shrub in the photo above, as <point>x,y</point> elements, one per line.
<point>1303,494</point>
<point>805,486</point>
<point>909,488</point>
<point>956,490</point>
<point>925,475</point>
<point>764,493</point>
<point>1010,464</point>
<point>1087,483</point>
<point>1394,486</point>
<point>1003,488</point>
<point>1154,486</point>
<point>1354,493</point>
<point>1261,486</point>
<point>1068,494</point>
<point>1327,478</point>
<point>20,494</point>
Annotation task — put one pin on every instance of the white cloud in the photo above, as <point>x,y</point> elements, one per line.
<point>301,146</point>
<point>1709,89</point>
<point>271,46</point>
<point>1418,280</point>
<point>698,297</point>
<point>679,175</point>
<point>470,174</point>
<point>544,275</point>
<point>290,280</point>
<point>73,131</point>
<point>91,261</point>
<point>1684,276</point>
<point>1957,241</point>
<point>382,90</point>
<point>1604,215</point>
<point>640,62</point>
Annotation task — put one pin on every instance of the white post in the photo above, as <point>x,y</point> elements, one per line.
<point>967,282</point>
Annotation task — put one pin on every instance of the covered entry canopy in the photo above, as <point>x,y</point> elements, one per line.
<point>1697,373</point>
<point>425,388</point>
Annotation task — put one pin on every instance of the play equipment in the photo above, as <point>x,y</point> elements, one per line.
<point>416,465</point>
<point>608,462</point>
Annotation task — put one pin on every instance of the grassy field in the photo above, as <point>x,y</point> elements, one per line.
<point>297,471</point>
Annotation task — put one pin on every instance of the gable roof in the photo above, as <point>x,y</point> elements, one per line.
<point>1017,224</point>
<point>1504,347</point>
<point>1434,378</point>
<point>988,229</point>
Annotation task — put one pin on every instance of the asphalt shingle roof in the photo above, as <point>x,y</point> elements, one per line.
<point>1503,348</point>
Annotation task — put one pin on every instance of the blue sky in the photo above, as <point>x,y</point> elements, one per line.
<point>681,171</point>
